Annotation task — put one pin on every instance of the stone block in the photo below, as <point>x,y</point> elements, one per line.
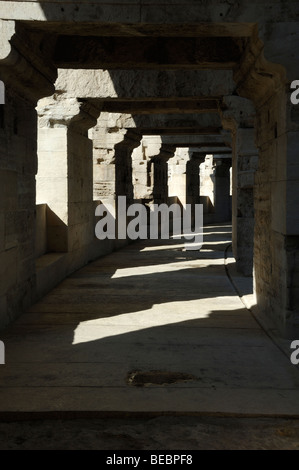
<point>254,161</point>
<point>52,191</point>
<point>52,139</point>
<point>26,191</point>
<point>11,229</point>
<point>80,212</point>
<point>79,190</point>
<point>8,190</point>
<point>8,269</point>
<point>104,172</point>
<point>26,250</point>
<point>80,235</point>
<point>246,179</point>
<point>50,269</point>
<point>246,142</point>
<point>245,230</point>
<point>52,163</point>
<point>19,297</point>
<point>147,83</point>
<point>57,237</point>
<point>41,230</point>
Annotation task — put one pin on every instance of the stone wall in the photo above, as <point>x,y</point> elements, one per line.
<point>276,222</point>
<point>18,164</point>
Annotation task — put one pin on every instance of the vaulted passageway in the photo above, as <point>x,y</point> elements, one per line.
<point>155,104</point>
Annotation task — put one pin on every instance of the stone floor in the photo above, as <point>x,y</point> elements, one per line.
<point>157,434</point>
<point>148,331</point>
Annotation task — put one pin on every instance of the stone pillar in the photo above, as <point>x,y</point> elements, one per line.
<point>239,118</point>
<point>246,166</point>
<point>193,177</point>
<point>222,203</point>
<point>159,154</point>
<point>207,188</point>
<point>64,178</point>
<point>285,190</point>
<point>112,157</point>
<point>123,164</point>
<point>177,174</point>
<point>160,181</point>
<point>142,174</point>
<point>24,85</point>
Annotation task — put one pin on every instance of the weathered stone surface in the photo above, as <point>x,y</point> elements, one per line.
<point>164,124</point>
<point>177,174</point>
<point>132,84</point>
<point>17,206</point>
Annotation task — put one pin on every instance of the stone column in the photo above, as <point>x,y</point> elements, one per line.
<point>246,166</point>
<point>239,118</point>
<point>222,204</point>
<point>112,156</point>
<point>159,154</point>
<point>142,174</point>
<point>123,164</point>
<point>193,177</point>
<point>285,191</point>
<point>207,187</point>
<point>64,178</point>
<point>24,85</point>
<point>177,174</point>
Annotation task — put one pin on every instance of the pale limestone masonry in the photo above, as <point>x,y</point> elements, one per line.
<point>177,174</point>
<point>108,75</point>
<point>207,183</point>
<point>143,173</point>
<point>150,170</point>
<point>159,154</point>
<point>131,84</point>
<point>112,162</point>
<point>64,185</point>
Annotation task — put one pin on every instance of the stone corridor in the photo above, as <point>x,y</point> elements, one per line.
<point>185,102</point>
<point>151,308</point>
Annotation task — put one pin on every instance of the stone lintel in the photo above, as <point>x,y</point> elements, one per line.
<point>144,84</point>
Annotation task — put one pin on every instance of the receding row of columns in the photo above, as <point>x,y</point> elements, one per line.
<point>76,171</point>
<point>266,186</point>
<point>264,210</point>
<point>81,161</point>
